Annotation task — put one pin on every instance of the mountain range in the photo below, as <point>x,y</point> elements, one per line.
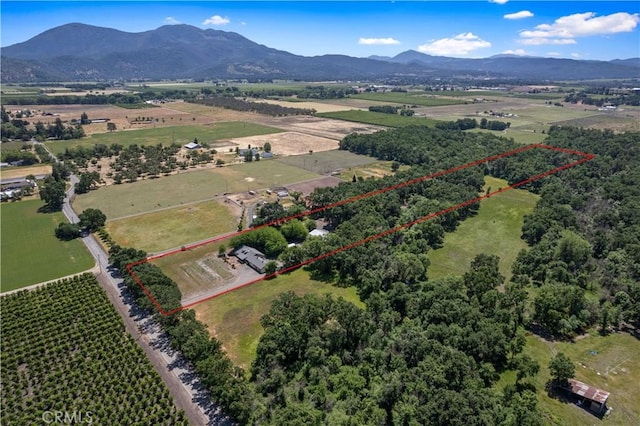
<point>76,52</point>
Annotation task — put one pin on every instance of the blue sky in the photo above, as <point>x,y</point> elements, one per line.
<point>602,30</point>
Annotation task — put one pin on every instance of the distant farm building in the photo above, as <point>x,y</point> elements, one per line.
<point>192,145</point>
<point>252,257</point>
<point>593,399</point>
<point>266,155</point>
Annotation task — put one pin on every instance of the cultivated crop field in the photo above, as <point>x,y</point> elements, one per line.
<point>414,98</point>
<point>164,229</point>
<point>31,253</point>
<point>168,135</point>
<point>496,229</point>
<point>118,201</point>
<point>234,318</point>
<point>64,348</point>
<point>379,118</point>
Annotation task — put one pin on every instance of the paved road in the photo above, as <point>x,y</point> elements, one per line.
<point>185,388</point>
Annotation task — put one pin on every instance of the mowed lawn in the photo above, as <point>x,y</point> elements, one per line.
<point>168,135</point>
<point>496,229</point>
<point>31,253</point>
<point>164,229</point>
<point>118,201</point>
<point>611,363</point>
<point>234,318</point>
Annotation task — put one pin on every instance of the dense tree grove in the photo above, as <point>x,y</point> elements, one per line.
<point>585,236</point>
<point>19,129</point>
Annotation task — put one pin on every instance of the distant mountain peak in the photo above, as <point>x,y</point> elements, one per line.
<point>77,51</point>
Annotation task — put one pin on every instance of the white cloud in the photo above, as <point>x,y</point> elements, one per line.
<point>553,53</point>
<point>462,44</point>
<point>519,52</point>
<point>519,15</point>
<point>576,55</point>
<point>383,41</point>
<point>542,40</point>
<point>170,20</point>
<point>216,20</point>
<point>498,1</point>
<point>565,29</point>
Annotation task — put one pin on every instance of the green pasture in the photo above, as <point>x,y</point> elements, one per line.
<point>326,161</point>
<point>234,318</point>
<point>161,230</point>
<point>118,201</point>
<point>379,118</point>
<point>427,99</point>
<point>168,135</point>
<point>611,363</point>
<point>496,229</point>
<point>31,253</point>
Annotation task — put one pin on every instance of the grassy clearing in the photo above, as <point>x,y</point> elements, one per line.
<point>30,251</point>
<point>420,98</point>
<point>374,170</point>
<point>164,229</point>
<point>168,135</point>
<point>235,317</point>
<point>379,118</point>
<point>495,230</point>
<point>327,161</point>
<point>611,363</point>
<point>118,201</point>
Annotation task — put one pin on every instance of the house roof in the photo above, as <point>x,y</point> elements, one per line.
<point>318,232</point>
<point>251,256</point>
<point>192,145</point>
<point>589,392</point>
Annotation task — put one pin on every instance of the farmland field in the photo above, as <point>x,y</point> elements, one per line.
<point>168,135</point>
<point>421,98</point>
<point>496,229</point>
<point>65,348</point>
<point>327,161</point>
<point>234,318</point>
<point>17,172</point>
<point>378,118</point>
<point>173,227</point>
<point>30,251</point>
<point>144,196</point>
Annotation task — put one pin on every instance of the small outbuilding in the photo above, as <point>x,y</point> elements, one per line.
<point>318,233</point>
<point>252,257</point>
<point>593,399</point>
<point>192,145</point>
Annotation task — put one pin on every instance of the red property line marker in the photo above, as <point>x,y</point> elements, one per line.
<point>584,158</point>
